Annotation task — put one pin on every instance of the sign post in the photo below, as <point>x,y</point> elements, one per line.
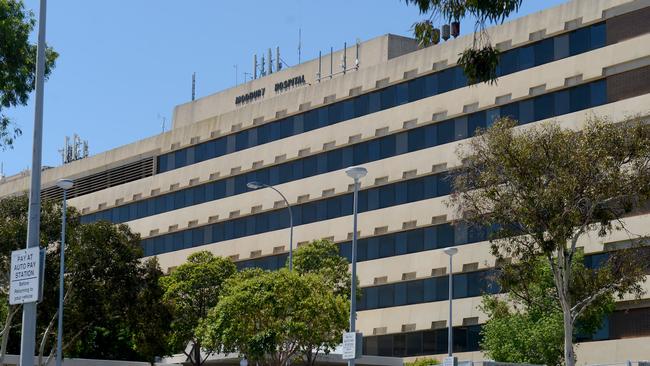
<point>26,274</point>
<point>352,345</point>
<point>450,361</point>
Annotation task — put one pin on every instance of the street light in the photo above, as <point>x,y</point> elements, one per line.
<point>450,252</point>
<point>258,185</point>
<point>356,173</point>
<point>64,184</point>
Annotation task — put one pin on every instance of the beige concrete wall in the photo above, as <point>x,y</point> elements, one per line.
<point>518,85</point>
<point>515,33</point>
<point>217,115</point>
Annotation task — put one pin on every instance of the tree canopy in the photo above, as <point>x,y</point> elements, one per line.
<point>543,188</point>
<point>270,317</point>
<point>526,325</point>
<point>17,63</point>
<point>322,257</point>
<point>191,290</point>
<point>107,286</point>
<point>479,62</point>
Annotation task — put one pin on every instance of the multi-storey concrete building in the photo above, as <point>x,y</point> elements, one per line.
<point>401,112</point>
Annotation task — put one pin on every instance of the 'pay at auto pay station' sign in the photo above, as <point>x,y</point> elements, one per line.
<point>25,276</point>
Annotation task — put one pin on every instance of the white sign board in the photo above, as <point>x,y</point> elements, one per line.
<point>450,361</point>
<point>25,275</point>
<point>352,343</point>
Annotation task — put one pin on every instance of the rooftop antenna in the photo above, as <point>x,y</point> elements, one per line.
<point>356,59</point>
<point>262,67</point>
<point>76,150</point>
<point>164,120</point>
<point>270,63</point>
<point>318,75</point>
<point>331,61</point>
<point>254,67</point>
<point>278,62</point>
<point>247,75</point>
<point>299,43</point>
<point>193,85</point>
<point>344,59</point>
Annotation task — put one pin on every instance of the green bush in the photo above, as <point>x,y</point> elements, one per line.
<point>424,361</point>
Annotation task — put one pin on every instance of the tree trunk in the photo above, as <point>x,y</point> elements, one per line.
<point>46,334</point>
<point>569,355</point>
<point>12,311</point>
<point>197,354</point>
<point>561,275</point>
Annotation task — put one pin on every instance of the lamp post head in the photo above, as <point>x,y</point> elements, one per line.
<point>451,251</point>
<point>255,185</point>
<point>65,184</point>
<point>356,172</point>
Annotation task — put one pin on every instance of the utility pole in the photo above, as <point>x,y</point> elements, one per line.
<point>28,334</point>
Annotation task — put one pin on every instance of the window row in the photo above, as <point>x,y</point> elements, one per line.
<point>430,289</point>
<point>618,325</point>
<point>548,50</point>
<point>412,190</point>
<point>423,342</point>
<point>526,111</point>
<point>389,245</point>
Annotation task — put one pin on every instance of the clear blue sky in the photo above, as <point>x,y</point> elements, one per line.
<point>124,63</point>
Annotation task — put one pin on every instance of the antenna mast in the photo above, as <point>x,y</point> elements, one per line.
<point>299,44</point>
<point>193,85</point>
<point>76,150</point>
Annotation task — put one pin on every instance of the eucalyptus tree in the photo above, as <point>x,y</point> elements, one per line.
<point>544,189</point>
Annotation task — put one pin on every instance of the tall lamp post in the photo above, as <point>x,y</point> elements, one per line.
<point>258,185</point>
<point>28,334</point>
<point>450,252</point>
<point>64,184</point>
<point>356,173</point>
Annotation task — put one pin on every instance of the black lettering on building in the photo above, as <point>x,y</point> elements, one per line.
<point>248,97</point>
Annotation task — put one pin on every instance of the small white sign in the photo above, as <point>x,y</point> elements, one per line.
<point>352,343</point>
<point>25,275</point>
<point>450,361</point>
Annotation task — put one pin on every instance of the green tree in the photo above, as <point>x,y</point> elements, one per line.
<point>479,62</point>
<point>13,236</point>
<point>191,290</point>
<point>526,326</point>
<point>544,188</point>
<point>106,285</point>
<point>322,257</point>
<point>150,322</point>
<point>17,63</point>
<point>269,317</point>
<point>107,289</point>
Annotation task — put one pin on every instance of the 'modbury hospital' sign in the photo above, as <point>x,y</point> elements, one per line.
<point>279,88</point>
<point>288,84</point>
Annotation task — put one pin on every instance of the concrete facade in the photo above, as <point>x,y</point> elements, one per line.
<point>383,62</point>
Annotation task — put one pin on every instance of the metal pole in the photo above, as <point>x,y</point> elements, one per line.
<point>286,202</point>
<point>59,339</point>
<point>257,185</point>
<point>345,55</point>
<point>451,294</point>
<point>319,65</point>
<point>27,346</point>
<point>290,238</point>
<point>353,282</point>
<point>331,61</point>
